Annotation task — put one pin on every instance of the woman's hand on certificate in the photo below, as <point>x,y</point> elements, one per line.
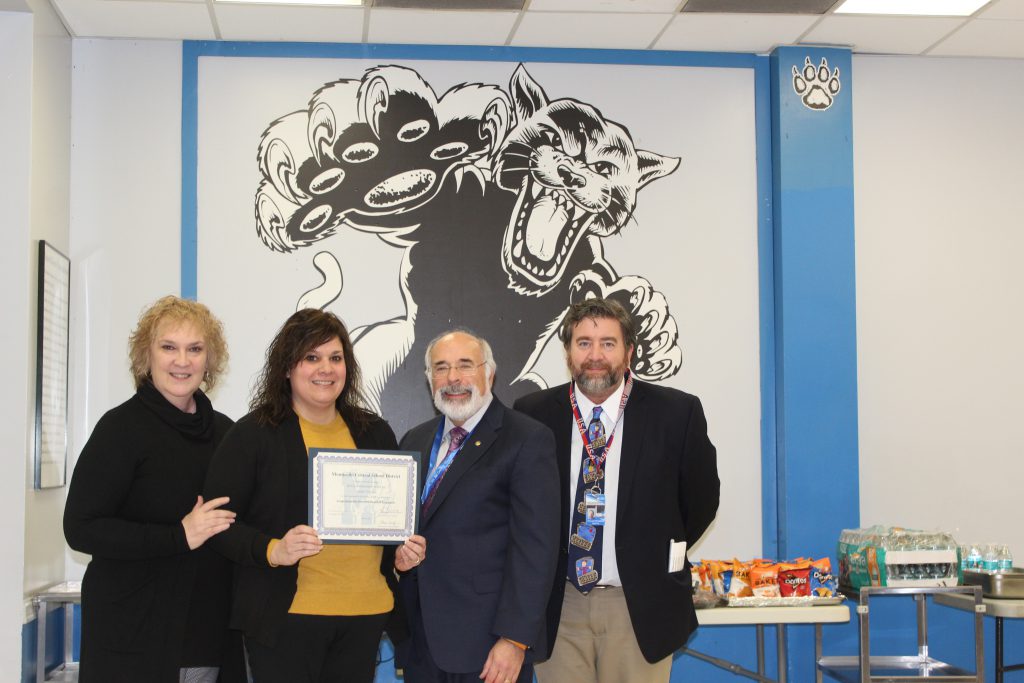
<point>300,541</point>
<point>411,553</point>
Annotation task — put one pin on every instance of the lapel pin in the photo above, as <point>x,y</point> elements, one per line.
<point>477,443</point>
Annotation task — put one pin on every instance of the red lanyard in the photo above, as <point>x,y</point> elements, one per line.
<point>598,462</point>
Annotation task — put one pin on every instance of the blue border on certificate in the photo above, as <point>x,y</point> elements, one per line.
<point>409,462</point>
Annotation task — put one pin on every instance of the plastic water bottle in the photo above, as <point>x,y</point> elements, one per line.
<point>1004,560</point>
<point>989,563</point>
<point>974,558</point>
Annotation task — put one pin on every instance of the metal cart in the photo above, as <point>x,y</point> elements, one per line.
<point>865,668</point>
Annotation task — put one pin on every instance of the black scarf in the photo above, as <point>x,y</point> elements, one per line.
<point>197,425</point>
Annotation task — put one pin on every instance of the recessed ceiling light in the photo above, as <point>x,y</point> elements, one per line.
<point>346,3</point>
<point>934,8</point>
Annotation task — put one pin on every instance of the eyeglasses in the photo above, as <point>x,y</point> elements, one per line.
<point>463,369</point>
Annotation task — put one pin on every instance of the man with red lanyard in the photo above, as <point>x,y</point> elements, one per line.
<point>639,484</point>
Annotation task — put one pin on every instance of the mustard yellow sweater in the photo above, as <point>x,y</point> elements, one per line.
<point>341,580</point>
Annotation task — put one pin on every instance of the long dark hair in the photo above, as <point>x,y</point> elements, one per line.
<point>304,331</point>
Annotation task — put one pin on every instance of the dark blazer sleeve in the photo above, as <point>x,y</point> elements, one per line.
<point>698,477</point>
<point>233,473</point>
<point>534,530</point>
<point>102,480</point>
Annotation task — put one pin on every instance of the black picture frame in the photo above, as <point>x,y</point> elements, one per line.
<point>53,316</point>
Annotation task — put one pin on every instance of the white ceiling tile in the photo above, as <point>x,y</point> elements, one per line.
<point>604,5</point>
<point>1004,9</point>
<point>302,24</point>
<point>984,38</point>
<point>122,19</point>
<point>888,35</point>
<point>613,31</point>
<point>445,28</point>
<point>733,32</point>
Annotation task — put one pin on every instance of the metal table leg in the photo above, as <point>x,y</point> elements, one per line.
<point>780,644</point>
<point>817,653</point>
<point>40,641</point>
<point>760,649</point>
<point>865,639</point>
<point>69,632</point>
<point>999,650</point>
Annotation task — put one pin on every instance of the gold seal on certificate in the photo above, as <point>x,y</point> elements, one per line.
<point>358,496</point>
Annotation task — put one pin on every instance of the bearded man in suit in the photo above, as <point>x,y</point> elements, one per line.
<point>639,484</point>
<point>474,583</point>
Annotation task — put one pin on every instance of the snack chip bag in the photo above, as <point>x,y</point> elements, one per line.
<point>823,583</point>
<point>764,581</point>
<point>740,586</point>
<point>721,576</point>
<point>794,581</point>
<point>703,575</point>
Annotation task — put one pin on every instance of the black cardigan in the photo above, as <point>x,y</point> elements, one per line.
<point>149,604</point>
<point>264,469</point>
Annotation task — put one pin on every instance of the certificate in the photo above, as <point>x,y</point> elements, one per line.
<point>359,496</point>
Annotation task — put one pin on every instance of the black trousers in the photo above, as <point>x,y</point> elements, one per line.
<point>317,649</point>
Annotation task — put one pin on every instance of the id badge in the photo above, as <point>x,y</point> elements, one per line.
<point>594,505</point>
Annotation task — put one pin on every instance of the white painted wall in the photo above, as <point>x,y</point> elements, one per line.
<point>939,179</point>
<point>50,188</point>
<point>125,213</point>
<point>15,128</point>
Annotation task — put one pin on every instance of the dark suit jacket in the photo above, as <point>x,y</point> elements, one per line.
<point>264,471</point>
<point>492,539</point>
<point>668,490</point>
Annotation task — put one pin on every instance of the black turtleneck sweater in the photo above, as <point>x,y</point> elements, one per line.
<point>149,604</point>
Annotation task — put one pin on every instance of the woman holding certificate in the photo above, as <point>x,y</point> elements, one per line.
<point>155,598</point>
<point>310,612</point>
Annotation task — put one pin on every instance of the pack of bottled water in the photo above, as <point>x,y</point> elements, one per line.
<point>990,557</point>
<point>896,556</point>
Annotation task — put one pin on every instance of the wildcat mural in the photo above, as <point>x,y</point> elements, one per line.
<point>499,200</point>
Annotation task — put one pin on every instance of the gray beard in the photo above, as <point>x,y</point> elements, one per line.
<point>596,384</point>
<point>459,411</point>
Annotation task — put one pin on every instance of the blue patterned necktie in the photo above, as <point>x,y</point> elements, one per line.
<point>457,436</point>
<point>584,568</point>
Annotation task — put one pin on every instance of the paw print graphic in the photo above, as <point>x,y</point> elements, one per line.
<point>816,87</point>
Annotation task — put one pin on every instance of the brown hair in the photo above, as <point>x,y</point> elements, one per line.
<point>593,309</point>
<point>305,330</point>
<point>172,310</point>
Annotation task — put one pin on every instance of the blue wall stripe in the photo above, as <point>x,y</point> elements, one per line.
<point>815,314</point>
<point>766,307</point>
<point>472,53</point>
<point>815,321</point>
<point>189,164</point>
